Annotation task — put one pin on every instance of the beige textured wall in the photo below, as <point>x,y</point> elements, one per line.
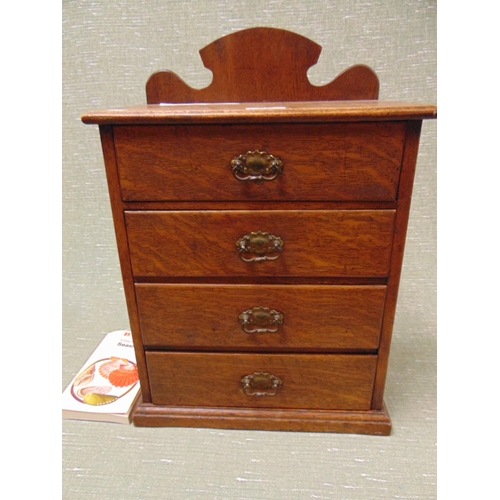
<point>109,50</point>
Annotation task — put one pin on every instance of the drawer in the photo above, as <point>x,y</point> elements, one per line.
<point>260,317</point>
<point>307,381</point>
<point>353,243</point>
<point>348,161</point>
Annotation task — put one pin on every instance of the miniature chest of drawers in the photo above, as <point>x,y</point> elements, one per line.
<point>261,225</point>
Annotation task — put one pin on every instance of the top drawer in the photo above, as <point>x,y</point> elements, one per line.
<point>342,161</point>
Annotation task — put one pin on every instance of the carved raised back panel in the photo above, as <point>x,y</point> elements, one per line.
<point>263,64</point>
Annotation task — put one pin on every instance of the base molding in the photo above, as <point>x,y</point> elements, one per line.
<point>373,422</point>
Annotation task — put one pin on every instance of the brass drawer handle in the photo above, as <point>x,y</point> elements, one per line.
<point>259,243</point>
<point>256,166</point>
<point>261,320</point>
<point>261,384</point>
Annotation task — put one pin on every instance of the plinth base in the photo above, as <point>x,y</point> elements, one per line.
<point>353,422</point>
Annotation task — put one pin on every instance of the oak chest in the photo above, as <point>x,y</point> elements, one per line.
<point>261,225</point>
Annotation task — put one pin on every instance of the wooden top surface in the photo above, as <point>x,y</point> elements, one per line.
<point>262,112</point>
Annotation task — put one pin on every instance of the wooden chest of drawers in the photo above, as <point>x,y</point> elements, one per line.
<point>261,245</point>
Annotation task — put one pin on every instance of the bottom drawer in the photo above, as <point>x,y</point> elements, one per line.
<point>308,381</point>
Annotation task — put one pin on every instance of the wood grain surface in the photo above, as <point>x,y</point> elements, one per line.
<point>244,67</point>
<point>373,422</point>
<point>309,381</point>
<point>316,243</point>
<point>258,112</point>
<point>108,149</point>
<point>259,205</point>
<point>413,129</point>
<point>358,161</point>
<point>316,318</point>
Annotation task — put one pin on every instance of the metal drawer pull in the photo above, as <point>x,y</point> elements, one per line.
<point>261,384</point>
<point>256,166</point>
<point>261,320</point>
<point>259,244</point>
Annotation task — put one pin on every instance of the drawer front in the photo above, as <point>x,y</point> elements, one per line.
<point>344,243</point>
<point>349,161</point>
<point>308,381</point>
<point>260,317</point>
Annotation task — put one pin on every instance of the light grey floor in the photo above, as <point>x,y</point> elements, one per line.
<point>109,51</point>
